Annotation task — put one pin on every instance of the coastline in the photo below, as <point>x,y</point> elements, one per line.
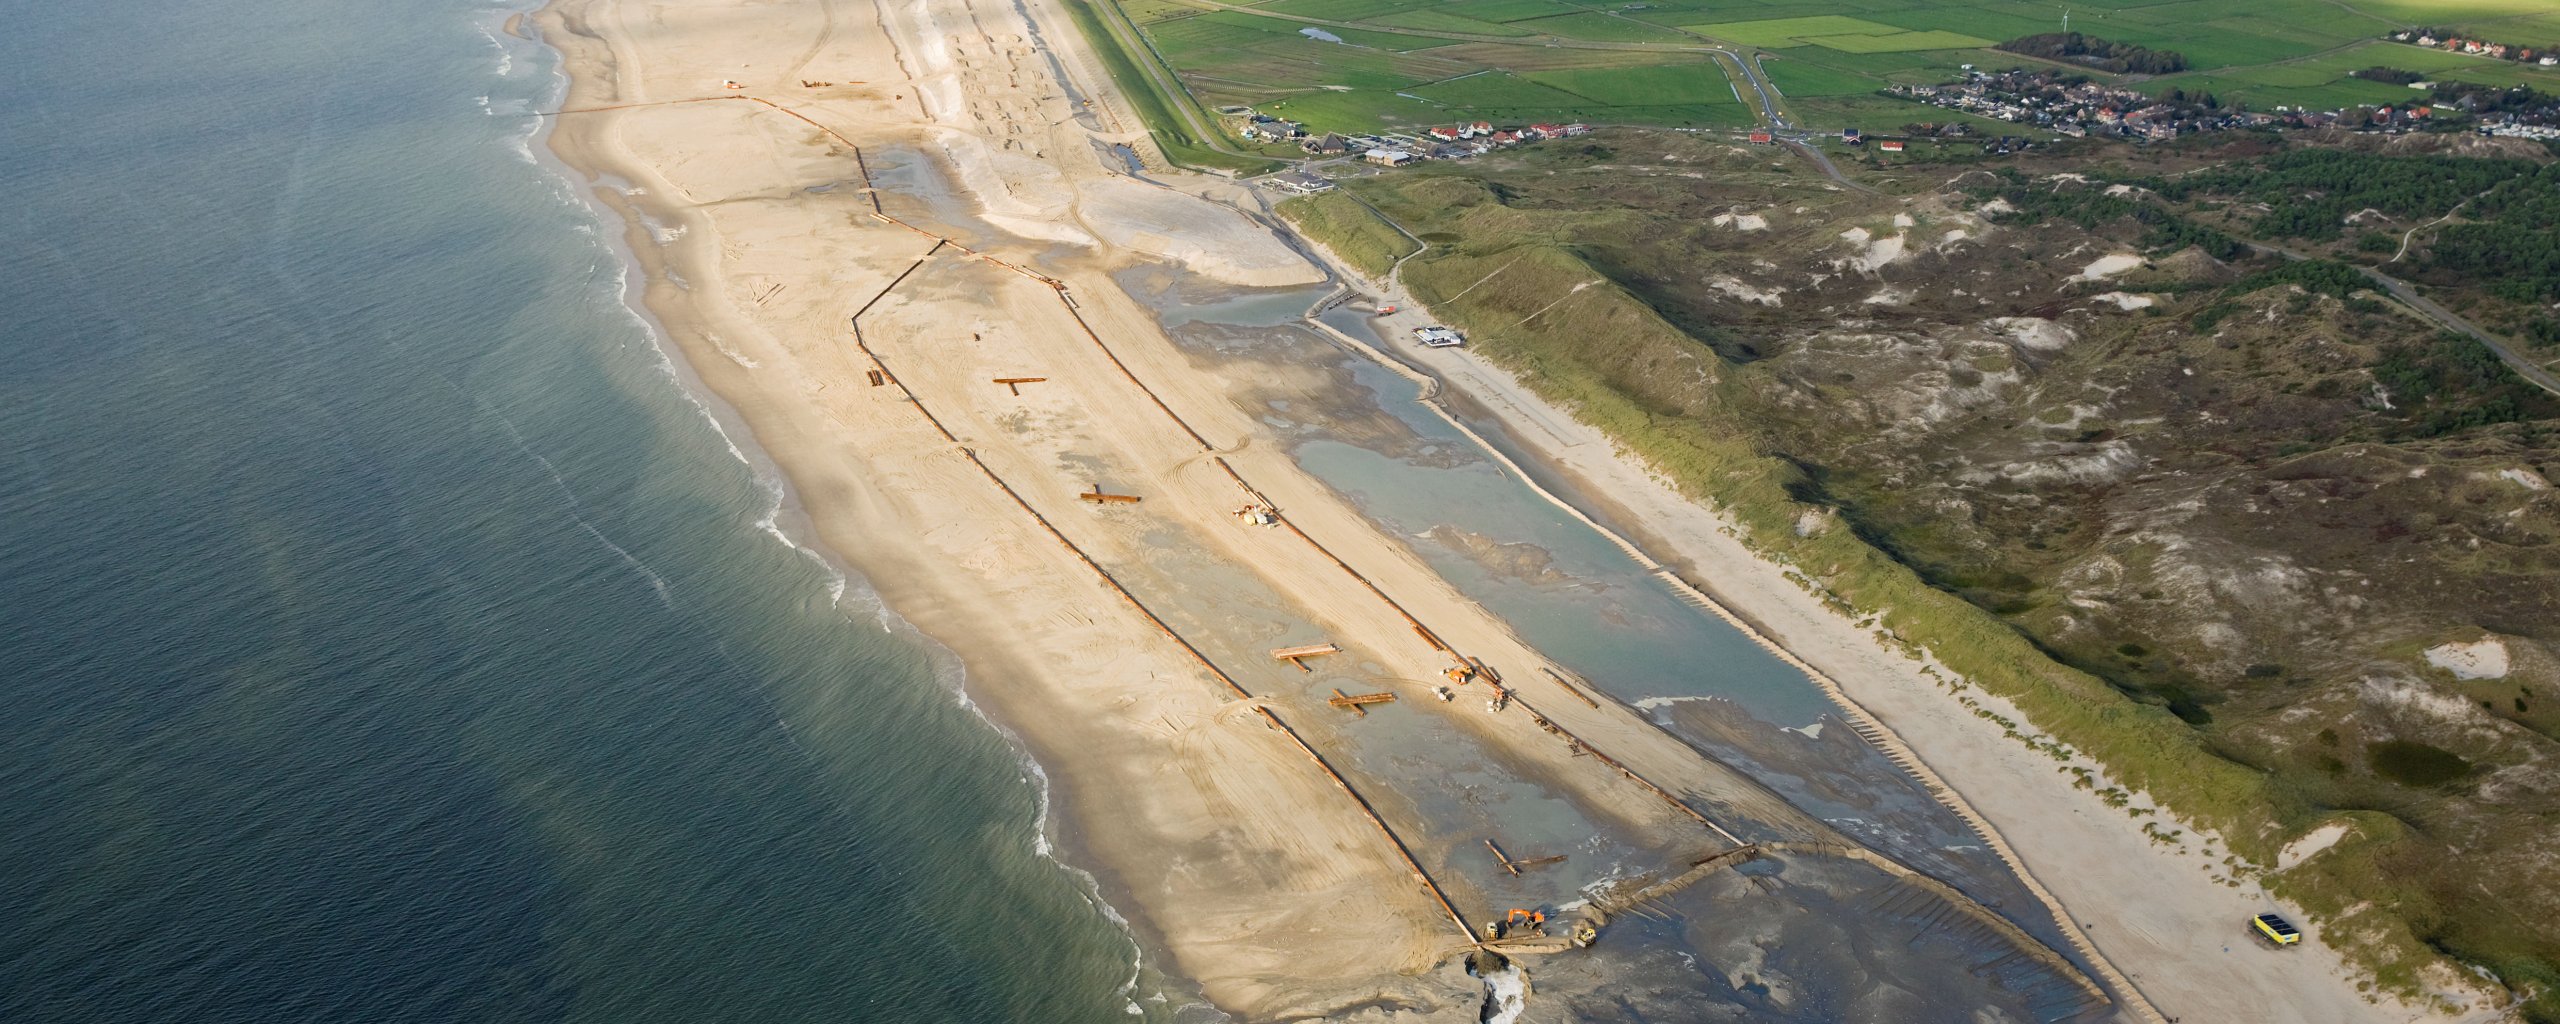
<point>892,507</point>
<point>866,514</point>
<point>646,291</point>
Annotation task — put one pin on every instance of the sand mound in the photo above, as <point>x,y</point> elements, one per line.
<point>2480,659</point>
<point>1202,236</point>
<point>2109,266</point>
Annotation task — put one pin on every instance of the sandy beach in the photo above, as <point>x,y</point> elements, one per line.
<point>1240,856</point>
<point>863,337</point>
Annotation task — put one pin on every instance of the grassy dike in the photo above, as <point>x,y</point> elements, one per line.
<point>1353,231</point>
<point>1127,60</point>
<point>1579,340</point>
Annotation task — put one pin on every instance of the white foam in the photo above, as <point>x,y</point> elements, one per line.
<point>1506,996</point>
<point>947,668</point>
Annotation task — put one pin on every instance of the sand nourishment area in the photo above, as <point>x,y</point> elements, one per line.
<point>859,220</point>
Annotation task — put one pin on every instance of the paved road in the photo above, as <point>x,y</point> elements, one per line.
<point>2408,294</point>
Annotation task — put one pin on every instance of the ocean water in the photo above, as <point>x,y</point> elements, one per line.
<point>386,635</point>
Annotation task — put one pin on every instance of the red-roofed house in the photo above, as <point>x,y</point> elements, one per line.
<point>1890,145</point>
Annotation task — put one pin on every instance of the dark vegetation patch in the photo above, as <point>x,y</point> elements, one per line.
<point>2105,55</point>
<point>2411,763</point>
<point>2273,450</point>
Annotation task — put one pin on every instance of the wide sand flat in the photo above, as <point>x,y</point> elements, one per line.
<point>1234,851</point>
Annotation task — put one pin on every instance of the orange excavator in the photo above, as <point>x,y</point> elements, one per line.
<point>1534,921</point>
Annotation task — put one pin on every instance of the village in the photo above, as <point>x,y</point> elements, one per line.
<point>2071,105</point>
<point>1393,149</point>
<point>2059,102</point>
<point>2437,39</point>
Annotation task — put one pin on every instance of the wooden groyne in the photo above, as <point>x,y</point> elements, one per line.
<point>1272,718</point>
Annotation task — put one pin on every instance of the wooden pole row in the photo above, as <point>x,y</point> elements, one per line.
<point>1569,687</point>
<point>1107,353</point>
<point>1367,810</point>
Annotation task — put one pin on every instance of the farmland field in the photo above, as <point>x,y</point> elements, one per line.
<point>1410,63</point>
<point>1900,42</point>
<point>1643,86</point>
<point>1800,78</point>
<point>1783,32</point>
<point>2326,82</point>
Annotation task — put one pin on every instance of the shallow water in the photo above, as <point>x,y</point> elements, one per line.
<point>386,633</point>
<point>1586,604</point>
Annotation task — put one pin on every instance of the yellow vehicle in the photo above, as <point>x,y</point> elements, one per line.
<point>2276,929</point>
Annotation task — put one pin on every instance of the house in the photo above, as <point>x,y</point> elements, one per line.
<point>1544,130</point>
<point>1890,145</point>
<point>1852,136</point>
<point>2550,62</point>
<point>1388,157</point>
<point>1273,130</point>
<point>1505,138</point>
<point>1438,337</point>
<point>1572,130</point>
<point>1761,138</point>
<point>1330,145</point>
<point>1478,129</point>
<point>1443,134</point>
<point>1300,183</point>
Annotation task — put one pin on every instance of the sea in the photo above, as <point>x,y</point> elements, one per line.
<point>388,632</point>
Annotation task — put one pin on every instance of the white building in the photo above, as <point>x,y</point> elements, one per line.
<point>1438,337</point>
<point>1300,183</point>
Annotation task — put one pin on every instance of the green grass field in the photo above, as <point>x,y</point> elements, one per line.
<point>1777,33</point>
<point>1412,63</point>
<point>2326,81</point>
<point>1701,84</point>
<point>1802,78</point>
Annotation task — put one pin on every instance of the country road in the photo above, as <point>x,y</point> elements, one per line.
<point>2408,295</point>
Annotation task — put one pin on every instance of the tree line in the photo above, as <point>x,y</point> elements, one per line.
<point>2121,58</point>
